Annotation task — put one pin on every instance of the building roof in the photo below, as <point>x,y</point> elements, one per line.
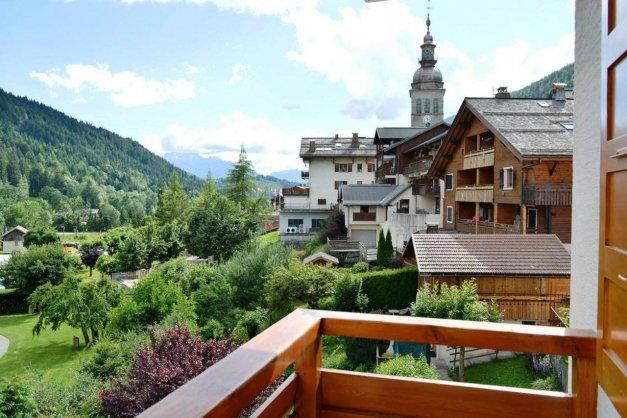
<point>18,228</point>
<point>533,127</point>
<point>295,191</point>
<point>392,134</point>
<point>491,254</point>
<point>371,194</point>
<point>336,147</point>
<point>429,141</point>
<point>321,256</point>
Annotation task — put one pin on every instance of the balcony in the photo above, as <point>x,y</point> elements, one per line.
<point>478,159</point>
<point>547,194</point>
<point>468,226</point>
<point>386,170</point>
<point>232,384</point>
<point>364,216</point>
<point>430,189</point>
<point>483,194</point>
<point>417,169</point>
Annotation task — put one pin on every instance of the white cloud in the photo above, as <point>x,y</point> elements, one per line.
<point>258,7</point>
<point>239,73</point>
<point>125,88</point>
<point>268,146</point>
<point>193,69</point>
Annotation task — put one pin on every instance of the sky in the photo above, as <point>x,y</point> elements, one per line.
<point>211,75</point>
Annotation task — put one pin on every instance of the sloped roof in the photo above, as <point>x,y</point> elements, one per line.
<point>533,127</point>
<point>18,228</point>
<point>371,194</point>
<point>491,254</point>
<point>321,256</point>
<point>396,132</point>
<point>414,136</point>
<point>337,147</point>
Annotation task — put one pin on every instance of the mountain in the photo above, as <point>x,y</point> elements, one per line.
<point>542,87</point>
<point>65,165</point>
<point>196,164</point>
<point>289,175</point>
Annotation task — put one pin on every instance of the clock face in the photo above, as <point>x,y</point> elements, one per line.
<point>426,119</point>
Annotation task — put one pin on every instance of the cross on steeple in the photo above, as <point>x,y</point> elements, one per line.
<point>428,12</point>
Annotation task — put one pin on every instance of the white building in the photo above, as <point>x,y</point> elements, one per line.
<point>331,162</point>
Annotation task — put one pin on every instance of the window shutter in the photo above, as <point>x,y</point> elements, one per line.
<point>501,178</point>
<point>337,168</point>
<point>350,168</point>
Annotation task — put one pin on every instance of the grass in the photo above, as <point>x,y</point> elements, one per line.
<point>269,237</point>
<point>511,372</point>
<point>50,352</point>
<point>79,236</point>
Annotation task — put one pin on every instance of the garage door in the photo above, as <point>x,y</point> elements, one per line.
<point>365,236</point>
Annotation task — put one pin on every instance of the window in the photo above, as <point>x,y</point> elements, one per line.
<point>436,106</point>
<point>322,201</point>
<point>403,206</point>
<point>364,209</point>
<point>418,106</point>
<point>360,182</point>
<point>317,223</point>
<point>295,222</point>
<point>507,178</point>
<point>449,214</point>
<point>339,184</point>
<point>427,106</point>
<point>370,167</point>
<point>449,181</point>
<point>360,167</point>
<point>341,168</point>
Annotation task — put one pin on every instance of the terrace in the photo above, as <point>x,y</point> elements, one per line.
<point>232,384</point>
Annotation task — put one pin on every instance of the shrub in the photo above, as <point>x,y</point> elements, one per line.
<point>38,265</point>
<point>253,322</point>
<point>76,398</point>
<point>359,267</point>
<point>408,366</point>
<point>213,300</point>
<point>299,285</point>
<point>212,330</point>
<point>111,358</point>
<point>390,289</point>
<point>107,264</point>
<point>41,236</point>
<point>16,399</point>
<point>168,362</point>
<point>549,382</point>
<point>12,302</point>
<point>348,295</point>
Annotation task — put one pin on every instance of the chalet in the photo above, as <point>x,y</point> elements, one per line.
<point>527,275</point>
<point>13,239</point>
<point>507,166</point>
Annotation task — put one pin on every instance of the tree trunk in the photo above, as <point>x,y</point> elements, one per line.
<point>462,356</point>
<point>90,271</point>
<point>85,336</point>
<point>94,334</point>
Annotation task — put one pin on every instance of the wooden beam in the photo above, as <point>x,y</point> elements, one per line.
<point>280,402</point>
<point>552,169</point>
<point>308,365</point>
<point>362,394</point>
<point>584,384</point>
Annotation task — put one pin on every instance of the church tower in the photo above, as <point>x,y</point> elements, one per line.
<point>427,87</point>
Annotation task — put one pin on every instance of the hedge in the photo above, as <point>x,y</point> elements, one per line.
<point>390,288</point>
<point>12,302</point>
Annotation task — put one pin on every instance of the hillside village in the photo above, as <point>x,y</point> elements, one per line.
<point>445,264</point>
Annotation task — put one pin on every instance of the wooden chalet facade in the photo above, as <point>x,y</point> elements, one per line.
<point>507,166</point>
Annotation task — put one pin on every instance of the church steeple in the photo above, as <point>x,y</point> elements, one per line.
<point>427,87</point>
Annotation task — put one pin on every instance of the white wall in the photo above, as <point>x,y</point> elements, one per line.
<point>307,217</point>
<point>296,201</point>
<point>586,162</point>
<point>322,177</point>
<point>10,246</point>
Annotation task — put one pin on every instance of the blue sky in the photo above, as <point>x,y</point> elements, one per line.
<point>209,75</point>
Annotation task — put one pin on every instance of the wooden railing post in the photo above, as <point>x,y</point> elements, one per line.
<point>584,388</point>
<point>308,393</point>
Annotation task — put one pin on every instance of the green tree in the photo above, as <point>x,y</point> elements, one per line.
<point>382,259</point>
<point>348,295</point>
<point>38,265</point>
<point>163,241</point>
<point>30,213</point>
<point>453,302</point>
<point>90,252</point>
<point>173,203</point>
<point>389,247</point>
<point>41,236</point>
<point>133,253</point>
<point>240,181</point>
<point>217,227</point>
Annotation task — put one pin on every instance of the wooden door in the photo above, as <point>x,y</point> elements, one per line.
<point>612,314</point>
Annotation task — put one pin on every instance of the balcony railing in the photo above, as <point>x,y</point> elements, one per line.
<point>547,194</point>
<point>233,383</point>
<point>475,194</point>
<point>417,169</point>
<point>364,216</point>
<point>386,170</point>
<point>478,159</point>
<point>430,189</point>
<point>484,227</point>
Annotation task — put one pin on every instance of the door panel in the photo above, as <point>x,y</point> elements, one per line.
<point>612,314</point>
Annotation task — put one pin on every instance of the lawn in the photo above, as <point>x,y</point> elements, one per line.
<point>79,236</point>
<point>50,352</point>
<point>269,237</point>
<point>503,372</point>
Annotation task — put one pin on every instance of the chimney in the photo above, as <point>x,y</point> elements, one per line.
<point>337,136</point>
<point>312,146</point>
<point>558,91</point>
<point>502,93</point>
<point>355,140</point>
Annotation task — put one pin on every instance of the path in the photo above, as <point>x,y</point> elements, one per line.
<point>4,345</point>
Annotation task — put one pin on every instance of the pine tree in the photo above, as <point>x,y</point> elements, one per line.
<point>381,250</point>
<point>389,248</point>
<point>240,181</point>
<point>173,203</point>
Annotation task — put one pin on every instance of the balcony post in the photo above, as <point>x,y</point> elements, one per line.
<point>496,217</point>
<point>523,217</point>
<point>308,392</point>
<point>584,387</point>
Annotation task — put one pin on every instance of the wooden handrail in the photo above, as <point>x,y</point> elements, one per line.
<point>231,384</point>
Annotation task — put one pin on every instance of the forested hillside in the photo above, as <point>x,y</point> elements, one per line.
<point>542,87</point>
<point>55,167</point>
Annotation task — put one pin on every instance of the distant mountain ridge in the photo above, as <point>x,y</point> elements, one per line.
<point>542,87</point>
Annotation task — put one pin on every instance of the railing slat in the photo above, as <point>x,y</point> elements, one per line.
<point>501,336</point>
<point>280,402</point>
<point>407,397</point>
<point>584,388</point>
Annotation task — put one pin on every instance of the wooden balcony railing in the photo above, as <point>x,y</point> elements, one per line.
<point>547,194</point>
<point>364,216</point>
<point>232,384</point>
<point>478,159</point>
<point>417,168</point>
<point>485,227</point>
<point>475,194</point>
<point>387,169</point>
